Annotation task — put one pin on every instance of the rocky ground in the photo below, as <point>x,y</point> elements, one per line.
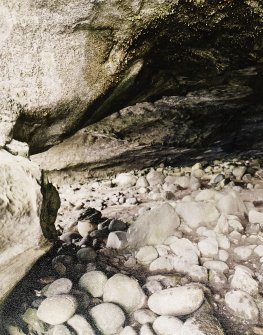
<point>164,251</point>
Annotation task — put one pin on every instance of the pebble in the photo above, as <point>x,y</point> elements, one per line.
<point>117,240</point>
<point>93,282</point>
<point>144,316</point>
<point>243,253</point>
<point>208,247</point>
<point>142,182</point>
<point>109,318</point>
<point>195,213</point>
<point>198,273</point>
<point>125,180</point>
<point>146,255</point>
<point>128,330</point>
<point>217,266</point>
<point>116,289</point>
<point>59,286</point>
<point>86,255</point>
<point>117,225</point>
<point>153,227</point>
<point>155,178</point>
<point>146,330</point>
<point>242,305</point>
<point>259,250</point>
<point>164,263</point>
<point>202,324</point>
<point>61,330</point>
<point>80,325</point>
<point>167,325</point>
<point>177,301</point>
<point>255,217</point>
<point>242,280</point>
<point>57,309</point>
<point>85,227</point>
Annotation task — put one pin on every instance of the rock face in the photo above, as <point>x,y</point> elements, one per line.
<point>88,58</point>
<point>23,203</point>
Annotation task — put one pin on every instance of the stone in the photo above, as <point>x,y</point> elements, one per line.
<point>86,255</point>
<point>208,247</point>
<point>28,209</point>
<point>239,172</point>
<point>153,227</point>
<point>162,264</point>
<point>142,182</point>
<point>155,178</point>
<point>217,266</point>
<point>80,325</point>
<point>162,250</point>
<point>125,180</point>
<point>59,286</point>
<point>128,330</point>
<point>117,225</point>
<point>85,227</point>
<point>242,280</point>
<point>30,317</point>
<point>117,240</point>
<point>57,309</point>
<point>109,318</point>
<point>60,330</point>
<point>243,253</point>
<point>177,301</point>
<point>255,217</point>
<point>206,195</point>
<point>186,250</point>
<point>144,316</point>
<point>223,255</point>
<point>116,289</point>
<point>259,250</point>
<point>194,213</point>
<point>231,203</point>
<point>93,282</point>
<point>146,255</point>
<point>167,325</point>
<point>223,242</point>
<point>202,324</point>
<point>198,273</point>
<point>242,305</point>
<point>235,225</point>
<point>146,330</point>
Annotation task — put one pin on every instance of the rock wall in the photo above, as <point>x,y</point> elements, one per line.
<point>24,197</point>
<point>66,64</point>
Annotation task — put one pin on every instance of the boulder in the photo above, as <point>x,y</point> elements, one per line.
<point>153,227</point>
<point>28,207</point>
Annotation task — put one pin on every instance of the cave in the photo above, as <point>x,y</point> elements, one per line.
<point>131,192</point>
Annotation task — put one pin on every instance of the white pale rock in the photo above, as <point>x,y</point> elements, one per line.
<point>255,217</point>
<point>217,266</point>
<point>109,318</point>
<point>117,240</point>
<point>146,255</point>
<point>177,301</point>
<point>167,325</point>
<point>196,213</point>
<point>153,227</point>
<point>243,253</point>
<point>125,180</point>
<point>235,225</point>
<point>206,195</point>
<point>164,263</point>
<point>231,204</point>
<point>142,182</point>
<point>242,305</point>
<point>93,282</point>
<point>183,244</point>
<point>198,273</point>
<point>203,324</point>
<point>223,255</point>
<point>146,330</point>
<point>59,286</point>
<point>60,330</point>
<point>128,330</point>
<point>223,242</point>
<point>155,178</point>
<point>222,225</point>
<point>163,250</point>
<point>81,325</point>
<point>85,227</point>
<point>153,286</point>
<point>259,250</point>
<point>144,316</point>
<point>208,247</point>
<point>242,280</point>
<point>57,309</point>
<point>116,290</point>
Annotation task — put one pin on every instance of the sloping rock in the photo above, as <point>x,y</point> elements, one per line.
<point>24,198</point>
